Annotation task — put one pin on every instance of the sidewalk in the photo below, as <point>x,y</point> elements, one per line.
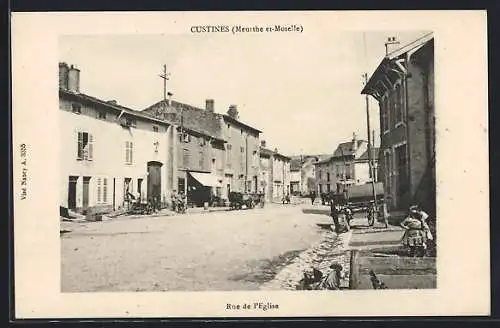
<point>380,249</point>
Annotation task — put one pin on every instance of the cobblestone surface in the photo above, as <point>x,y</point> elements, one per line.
<point>331,248</point>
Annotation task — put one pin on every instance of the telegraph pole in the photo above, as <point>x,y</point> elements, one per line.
<point>370,163</point>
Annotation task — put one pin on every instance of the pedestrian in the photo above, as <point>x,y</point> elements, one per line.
<point>334,213</point>
<point>333,279</point>
<point>313,197</point>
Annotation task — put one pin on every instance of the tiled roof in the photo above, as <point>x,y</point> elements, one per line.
<point>268,152</point>
<point>384,65</point>
<point>112,106</point>
<point>239,123</point>
<point>193,118</point>
<point>346,148</point>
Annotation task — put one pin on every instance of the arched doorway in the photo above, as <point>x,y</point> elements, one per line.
<point>154,179</point>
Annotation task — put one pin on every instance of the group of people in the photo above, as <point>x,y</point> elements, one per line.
<point>418,237</point>
<point>314,279</point>
<point>178,201</point>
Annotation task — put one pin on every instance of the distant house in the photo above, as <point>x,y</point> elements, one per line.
<point>296,176</point>
<point>348,165</point>
<point>403,84</point>
<point>275,173</point>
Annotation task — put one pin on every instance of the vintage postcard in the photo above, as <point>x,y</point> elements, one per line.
<point>250,164</point>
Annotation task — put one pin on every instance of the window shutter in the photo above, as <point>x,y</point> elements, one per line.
<point>91,147</point>
<point>105,190</point>
<point>80,145</point>
<point>126,151</point>
<point>131,151</point>
<point>98,190</point>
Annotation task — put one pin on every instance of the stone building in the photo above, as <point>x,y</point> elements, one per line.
<point>349,165</point>
<point>199,156</point>
<point>403,85</point>
<point>242,153</point>
<point>108,151</point>
<point>274,174</point>
<point>216,153</point>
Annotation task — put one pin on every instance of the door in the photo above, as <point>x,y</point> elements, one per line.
<point>72,192</point>
<point>86,182</point>
<point>402,175</point>
<point>255,183</point>
<point>139,188</point>
<point>154,179</point>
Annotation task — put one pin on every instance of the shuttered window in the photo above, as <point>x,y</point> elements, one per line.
<point>129,151</point>
<point>85,145</point>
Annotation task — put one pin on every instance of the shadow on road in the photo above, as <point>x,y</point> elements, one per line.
<point>265,270</point>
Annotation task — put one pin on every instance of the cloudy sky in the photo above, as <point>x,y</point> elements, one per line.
<point>302,91</point>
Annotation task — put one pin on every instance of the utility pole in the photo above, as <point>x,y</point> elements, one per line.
<point>370,163</point>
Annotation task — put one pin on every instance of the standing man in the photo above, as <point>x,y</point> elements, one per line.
<point>313,197</point>
<point>334,213</point>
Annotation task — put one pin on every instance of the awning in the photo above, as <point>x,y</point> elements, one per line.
<point>206,179</point>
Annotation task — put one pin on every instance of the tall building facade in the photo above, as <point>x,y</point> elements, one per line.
<point>108,151</point>
<point>403,85</point>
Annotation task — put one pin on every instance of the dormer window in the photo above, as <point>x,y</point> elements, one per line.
<point>76,108</point>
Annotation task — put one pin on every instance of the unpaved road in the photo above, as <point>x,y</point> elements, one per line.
<point>236,250</point>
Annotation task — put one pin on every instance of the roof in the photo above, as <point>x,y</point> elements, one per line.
<point>194,119</point>
<point>346,148</point>
<point>111,106</point>
<point>268,152</point>
<point>387,68</point>
<point>364,156</point>
<point>239,123</point>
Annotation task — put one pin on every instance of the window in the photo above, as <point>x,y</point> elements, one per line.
<point>348,171</point>
<point>255,161</point>
<point>101,114</point>
<point>242,158</point>
<point>203,141</point>
<point>102,190</point>
<point>228,155</point>
<point>85,146</point>
<point>76,108</point>
<point>185,157</point>
<point>328,188</point>
<point>155,128</point>
<point>131,122</point>
<point>202,160</point>
<point>392,108</point>
<point>385,112</point>
<point>129,150</point>
<point>399,104</point>
<point>337,170</point>
<point>328,177</point>
<point>105,190</point>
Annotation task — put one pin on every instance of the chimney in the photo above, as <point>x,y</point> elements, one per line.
<point>169,101</point>
<point>74,79</point>
<point>263,143</point>
<point>391,45</point>
<point>63,75</point>
<point>354,142</point>
<point>233,111</point>
<point>275,150</point>
<point>112,102</point>
<point>209,105</point>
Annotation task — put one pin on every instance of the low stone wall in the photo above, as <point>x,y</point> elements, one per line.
<point>331,248</point>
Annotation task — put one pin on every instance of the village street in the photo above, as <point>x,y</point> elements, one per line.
<point>231,250</point>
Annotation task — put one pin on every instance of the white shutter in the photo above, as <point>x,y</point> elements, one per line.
<point>79,154</point>
<point>91,147</point>
<point>131,151</point>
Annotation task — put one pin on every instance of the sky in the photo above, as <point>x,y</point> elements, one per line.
<point>302,92</point>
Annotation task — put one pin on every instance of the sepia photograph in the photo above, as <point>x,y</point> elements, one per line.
<point>241,157</point>
<point>321,176</point>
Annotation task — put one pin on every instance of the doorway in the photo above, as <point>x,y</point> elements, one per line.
<point>154,180</point>
<point>86,183</point>
<point>72,192</point>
